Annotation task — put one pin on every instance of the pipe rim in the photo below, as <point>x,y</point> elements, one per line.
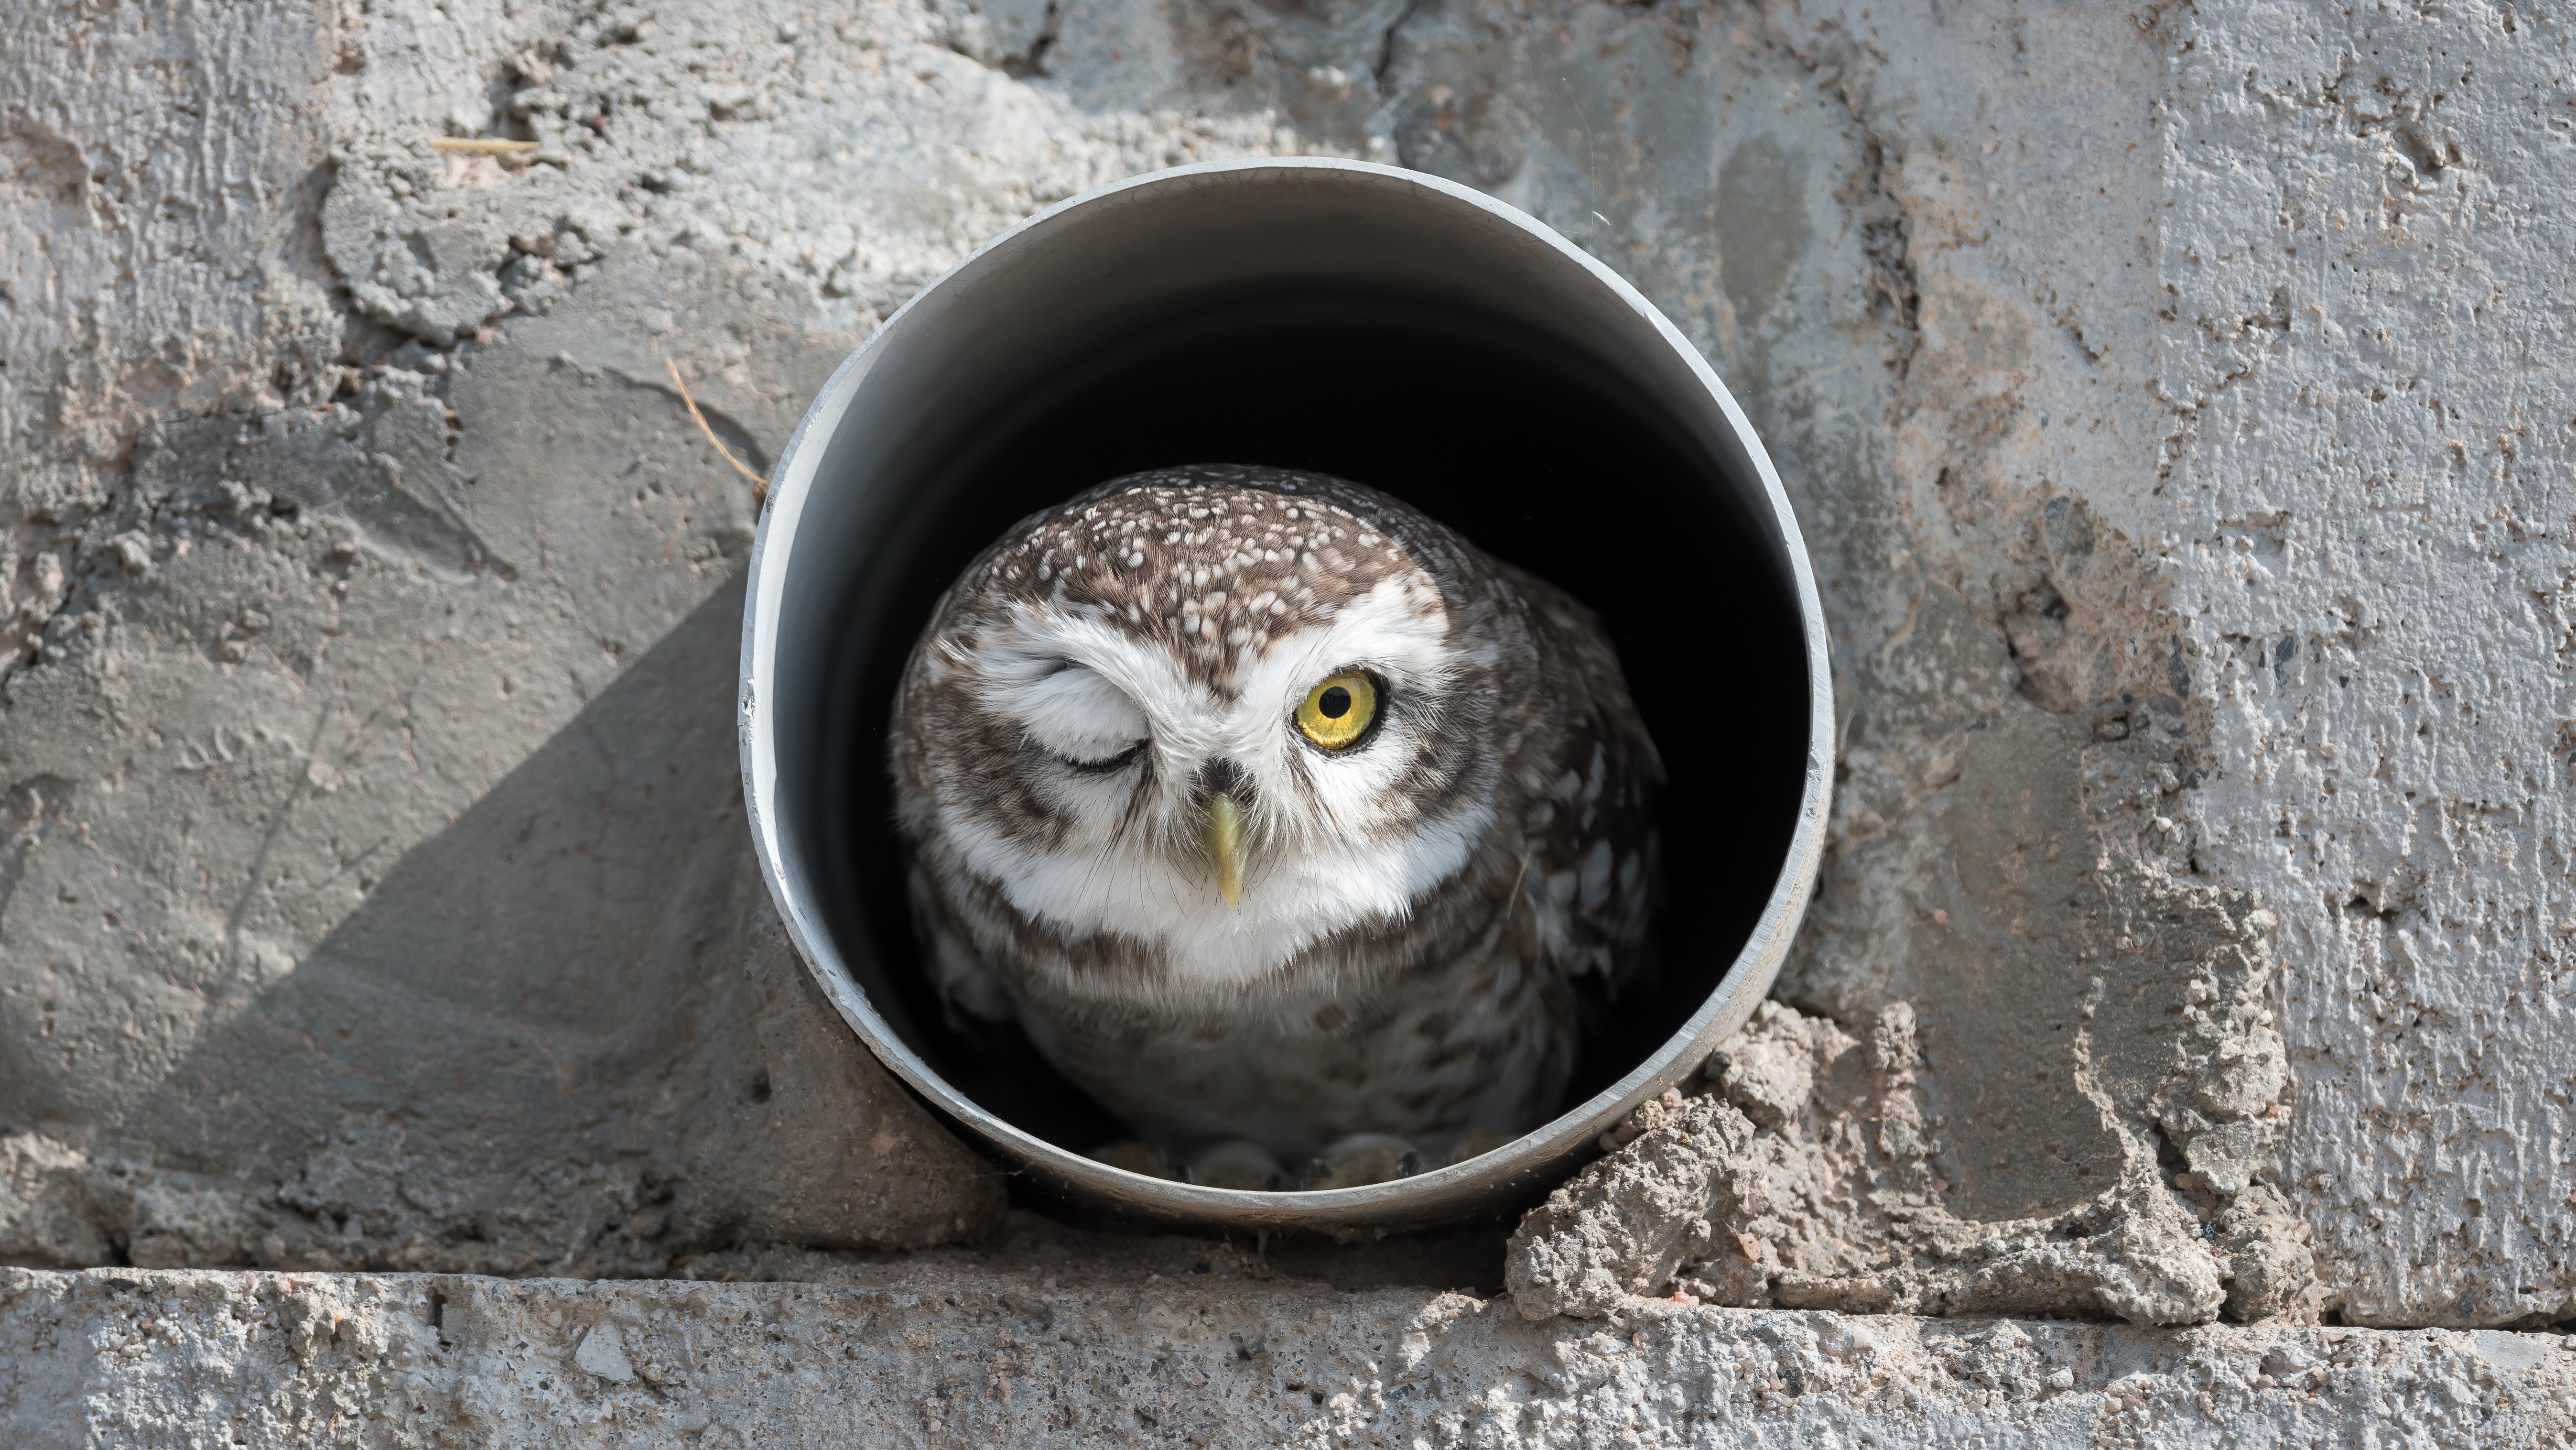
<point>1546,1152</point>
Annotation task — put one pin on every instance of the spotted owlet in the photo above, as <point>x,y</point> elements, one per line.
<point>1278,815</point>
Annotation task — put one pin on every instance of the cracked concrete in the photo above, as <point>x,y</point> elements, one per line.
<point>2176,405</point>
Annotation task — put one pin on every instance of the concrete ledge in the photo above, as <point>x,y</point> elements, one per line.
<point>1171,1342</point>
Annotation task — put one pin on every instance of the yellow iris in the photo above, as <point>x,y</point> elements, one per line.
<point>1338,711</point>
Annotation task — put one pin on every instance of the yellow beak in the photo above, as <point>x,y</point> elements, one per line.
<point>1225,845</point>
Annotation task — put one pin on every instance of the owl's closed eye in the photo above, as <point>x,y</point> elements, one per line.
<point>1073,715</point>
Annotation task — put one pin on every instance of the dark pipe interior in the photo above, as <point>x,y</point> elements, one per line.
<point>1537,454</point>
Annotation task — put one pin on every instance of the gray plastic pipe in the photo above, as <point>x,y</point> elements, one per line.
<point>1081,277</point>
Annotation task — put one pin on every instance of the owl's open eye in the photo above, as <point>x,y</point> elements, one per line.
<point>1339,711</point>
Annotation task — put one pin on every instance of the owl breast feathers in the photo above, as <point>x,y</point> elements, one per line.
<point>1272,809</point>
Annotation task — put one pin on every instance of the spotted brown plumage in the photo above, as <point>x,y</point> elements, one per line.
<point>1225,926</point>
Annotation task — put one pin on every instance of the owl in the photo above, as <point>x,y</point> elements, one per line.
<point>1283,820</point>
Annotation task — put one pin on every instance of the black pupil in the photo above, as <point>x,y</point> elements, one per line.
<point>1336,703</point>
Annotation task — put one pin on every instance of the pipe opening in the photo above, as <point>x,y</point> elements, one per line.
<point>1541,449</point>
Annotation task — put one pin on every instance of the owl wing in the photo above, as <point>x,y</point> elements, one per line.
<point>968,986</point>
<point>1592,875</point>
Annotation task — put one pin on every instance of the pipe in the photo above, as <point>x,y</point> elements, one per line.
<point>1386,325</point>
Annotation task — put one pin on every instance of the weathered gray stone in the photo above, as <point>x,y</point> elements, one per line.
<point>1045,1341</point>
<point>2175,403</point>
<point>2207,281</point>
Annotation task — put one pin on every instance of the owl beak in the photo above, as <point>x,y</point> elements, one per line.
<point>1225,844</point>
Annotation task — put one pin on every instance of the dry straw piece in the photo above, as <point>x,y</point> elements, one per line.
<point>759,484</point>
<point>481,145</point>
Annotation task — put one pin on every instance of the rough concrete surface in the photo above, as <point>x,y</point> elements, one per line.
<point>2177,400</point>
<point>1175,1342</point>
<point>1808,1172</point>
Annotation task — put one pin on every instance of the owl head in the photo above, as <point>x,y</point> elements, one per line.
<point>1220,713</point>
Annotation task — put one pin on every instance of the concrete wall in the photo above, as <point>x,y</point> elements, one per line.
<point>2178,402</point>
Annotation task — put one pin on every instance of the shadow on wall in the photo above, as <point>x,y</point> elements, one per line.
<point>538,1047</point>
